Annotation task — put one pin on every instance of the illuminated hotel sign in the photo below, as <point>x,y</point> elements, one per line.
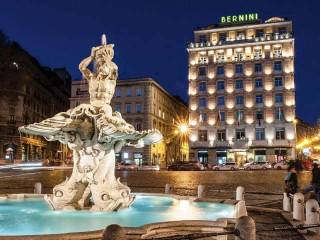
<point>249,17</point>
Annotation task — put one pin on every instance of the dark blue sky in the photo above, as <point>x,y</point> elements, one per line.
<point>150,37</point>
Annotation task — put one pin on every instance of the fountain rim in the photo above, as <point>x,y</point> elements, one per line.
<point>97,233</point>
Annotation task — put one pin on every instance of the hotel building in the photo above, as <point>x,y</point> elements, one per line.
<point>242,91</point>
<point>145,104</point>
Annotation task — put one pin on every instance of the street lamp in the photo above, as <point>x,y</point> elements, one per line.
<point>183,128</point>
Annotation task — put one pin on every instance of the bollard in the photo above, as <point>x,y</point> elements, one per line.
<point>114,232</point>
<point>245,228</point>
<point>240,209</point>
<point>201,192</point>
<point>298,208</point>
<point>167,188</point>
<point>286,203</point>
<point>312,214</point>
<point>240,193</point>
<point>37,188</point>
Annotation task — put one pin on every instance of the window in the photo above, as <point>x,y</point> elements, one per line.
<point>259,33</point>
<point>222,37</point>
<point>278,82</point>
<point>202,87</point>
<point>202,38</point>
<point>138,126</point>
<point>118,92</point>
<point>203,135</point>
<point>279,98</point>
<point>257,54</point>
<point>138,91</point>
<point>203,117</point>
<point>258,83</point>
<point>259,99</point>
<point>240,134</point>
<point>202,71</point>
<point>202,102</point>
<point>138,107</point>
<point>117,107</point>
<point>259,115</point>
<point>220,57</point>
<point>239,69</point>
<point>203,60</point>
<point>128,107</point>
<point>239,100</point>
<point>239,84</point>
<point>279,114</point>
<point>220,70</point>
<point>282,30</point>
<point>220,85</point>
<point>277,52</point>
<point>258,68</point>
<point>280,133</point>
<point>239,115</point>
<point>129,92</point>
<point>238,57</point>
<point>221,101</point>
<point>241,35</point>
<point>260,134</point>
<point>277,66</point>
<point>222,116</point>
<point>221,135</point>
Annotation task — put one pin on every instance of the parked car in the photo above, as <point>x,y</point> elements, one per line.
<point>281,165</point>
<point>150,167</point>
<point>186,166</point>
<point>226,166</point>
<point>127,166</point>
<point>257,166</point>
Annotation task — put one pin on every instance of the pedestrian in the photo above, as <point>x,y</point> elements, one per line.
<point>291,181</point>
<point>315,182</point>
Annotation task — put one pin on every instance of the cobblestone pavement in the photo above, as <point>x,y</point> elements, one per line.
<point>263,189</point>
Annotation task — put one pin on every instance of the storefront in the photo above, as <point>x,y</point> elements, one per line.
<point>221,156</point>
<point>280,154</point>
<point>137,157</point>
<point>260,155</point>
<point>203,156</point>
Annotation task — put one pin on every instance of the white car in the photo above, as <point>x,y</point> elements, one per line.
<point>226,166</point>
<point>257,166</point>
<point>282,165</point>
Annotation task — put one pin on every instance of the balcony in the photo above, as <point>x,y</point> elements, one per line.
<point>221,143</point>
<point>240,143</point>
<point>265,38</point>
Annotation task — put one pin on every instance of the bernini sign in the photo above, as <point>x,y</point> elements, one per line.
<point>240,18</point>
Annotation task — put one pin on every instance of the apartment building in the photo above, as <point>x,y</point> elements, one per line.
<point>242,91</point>
<point>145,104</point>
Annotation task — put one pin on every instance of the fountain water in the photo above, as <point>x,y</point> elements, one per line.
<point>94,133</point>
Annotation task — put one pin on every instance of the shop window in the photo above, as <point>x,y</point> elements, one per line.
<point>260,156</point>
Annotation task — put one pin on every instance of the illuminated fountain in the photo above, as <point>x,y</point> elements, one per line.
<point>94,133</point>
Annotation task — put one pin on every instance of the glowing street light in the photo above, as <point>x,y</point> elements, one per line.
<point>183,128</point>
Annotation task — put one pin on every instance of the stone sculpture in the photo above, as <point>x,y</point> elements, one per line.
<point>94,133</point>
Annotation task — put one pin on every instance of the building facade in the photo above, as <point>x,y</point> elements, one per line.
<point>145,104</point>
<point>242,91</point>
<point>29,93</point>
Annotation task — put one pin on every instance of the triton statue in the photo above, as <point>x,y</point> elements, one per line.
<point>94,133</point>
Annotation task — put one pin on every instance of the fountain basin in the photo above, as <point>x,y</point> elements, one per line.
<point>22,215</point>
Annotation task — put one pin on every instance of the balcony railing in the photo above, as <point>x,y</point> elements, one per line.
<point>266,37</point>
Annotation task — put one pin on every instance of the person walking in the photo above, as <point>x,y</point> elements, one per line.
<point>291,181</point>
<point>315,182</point>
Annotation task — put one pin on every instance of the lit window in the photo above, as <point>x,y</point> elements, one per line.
<point>203,135</point>
<point>221,101</point>
<point>239,84</point>
<point>279,98</point>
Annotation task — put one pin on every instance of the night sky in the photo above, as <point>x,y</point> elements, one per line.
<point>150,37</point>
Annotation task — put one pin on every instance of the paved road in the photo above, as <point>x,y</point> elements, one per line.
<point>270,181</point>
